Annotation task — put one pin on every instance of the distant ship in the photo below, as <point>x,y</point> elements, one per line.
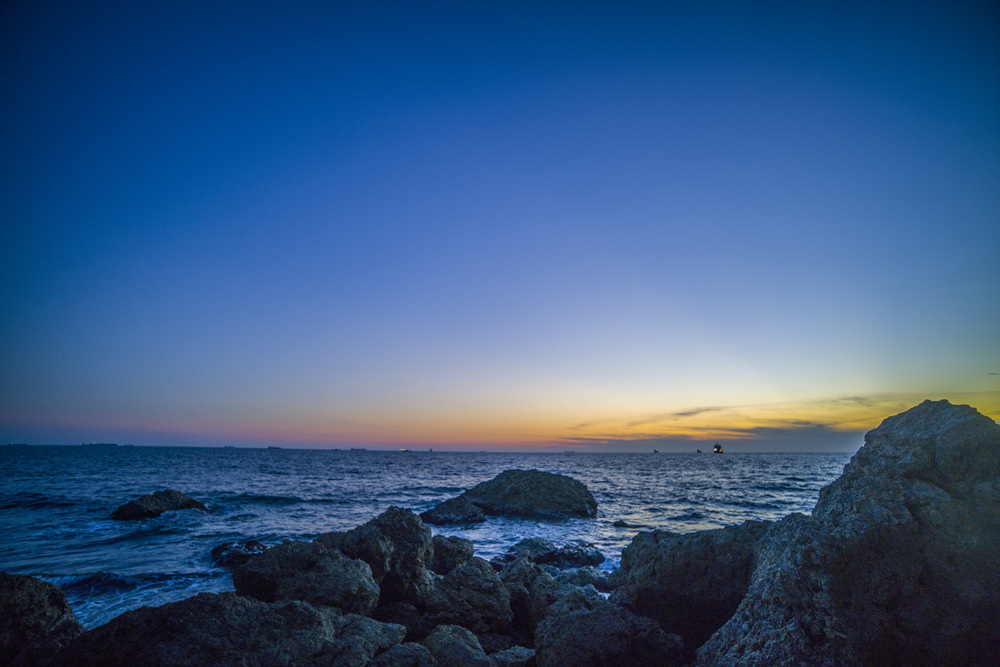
<point>717,449</point>
<point>99,444</point>
<point>273,447</point>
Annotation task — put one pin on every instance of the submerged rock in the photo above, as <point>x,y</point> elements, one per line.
<point>692,583</point>
<point>310,572</point>
<point>229,629</point>
<point>35,620</point>
<point>154,504</point>
<point>453,510</point>
<point>575,554</point>
<point>897,564</point>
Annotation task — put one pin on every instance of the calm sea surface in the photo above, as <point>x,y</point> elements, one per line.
<point>55,504</point>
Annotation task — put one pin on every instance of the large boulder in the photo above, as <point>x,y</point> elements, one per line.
<point>455,646</point>
<point>473,596</point>
<point>449,553</point>
<point>229,629</point>
<point>691,583</point>
<point>154,504</point>
<point>399,549</point>
<point>409,654</point>
<point>606,635</point>
<point>530,494</point>
<point>897,564</point>
<point>35,620</point>
<point>310,572</point>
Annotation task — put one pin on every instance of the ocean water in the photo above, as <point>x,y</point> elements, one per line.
<point>55,504</point>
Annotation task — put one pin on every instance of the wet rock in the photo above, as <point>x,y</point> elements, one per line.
<point>35,620</point>
<point>449,553</point>
<point>409,654</point>
<point>473,596</point>
<point>606,635</point>
<point>896,565</point>
<point>455,646</point>
<point>310,572</point>
<point>399,549</point>
<point>234,554</point>
<point>515,656</point>
<point>229,629</point>
<point>575,554</point>
<point>154,504</point>
<point>692,583</point>
<point>453,510</point>
<point>533,494</point>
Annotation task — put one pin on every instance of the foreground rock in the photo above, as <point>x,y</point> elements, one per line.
<point>154,504</point>
<point>898,562</point>
<point>531,494</point>
<point>35,620</point>
<point>310,572</point>
<point>228,629</point>
<point>693,583</point>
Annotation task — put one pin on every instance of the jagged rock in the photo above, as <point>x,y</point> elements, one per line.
<point>576,554</point>
<point>453,510</point>
<point>399,549</point>
<point>405,655</point>
<point>449,553</point>
<point>473,596</point>
<point>35,620</point>
<point>897,564</point>
<point>455,646</point>
<point>606,635</point>
<point>310,572</point>
<point>585,576</point>
<point>515,656</point>
<point>154,504</point>
<point>234,554</point>
<point>229,629</point>
<point>692,583</point>
<point>533,494</point>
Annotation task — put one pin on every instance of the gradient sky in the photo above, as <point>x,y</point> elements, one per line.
<point>610,226</point>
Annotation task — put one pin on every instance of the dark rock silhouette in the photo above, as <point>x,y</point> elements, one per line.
<point>453,510</point>
<point>233,554</point>
<point>35,620</point>
<point>455,646</point>
<point>576,554</point>
<point>473,596</point>
<point>154,504</point>
<point>449,553</point>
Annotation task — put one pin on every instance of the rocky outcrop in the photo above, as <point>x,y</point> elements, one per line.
<point>35,620</point>
<point>310,572</point>
<point>691,584</point>
<point>606,635</point>
<point>897,564</point>
<point>473,596</point>
<point>409,654</point>
<point>531,494</point>
<point>449,553</point>
<point>154,504</point>
<point>453,510</point>
<point>397,547</point>
<point>576,554</point>
<point>228,629</point>
<point>455,646</point>
<point>234,554</point>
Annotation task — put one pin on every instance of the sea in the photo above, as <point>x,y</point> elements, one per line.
<point>56,502</point>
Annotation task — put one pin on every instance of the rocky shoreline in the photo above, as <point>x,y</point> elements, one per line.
<point>897,564</point>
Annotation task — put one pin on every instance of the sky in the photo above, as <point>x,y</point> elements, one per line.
<point>496,225</point>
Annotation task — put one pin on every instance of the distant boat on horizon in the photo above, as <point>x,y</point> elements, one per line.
<point>98,444</point>
<point>273,447</point>
<point>717,449</point>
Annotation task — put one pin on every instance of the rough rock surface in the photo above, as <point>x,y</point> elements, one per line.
<point>515,656</point>
<point>35,619</point>
<point>310,572</point>
<point>455,646</point>
<point>897,564</point>
<point>453,510</point>
<point>154,504</point>
<point>229,629</point>
<point>692,583</point>
<point>472,596</point>
<point>449,553</point>
<point>533,494</point>
<point>409,654</point>
<point>234,554</point>
<point>399,549</point>
<point>606,636</point>
<point>575,554</point>
<point>585,576</point>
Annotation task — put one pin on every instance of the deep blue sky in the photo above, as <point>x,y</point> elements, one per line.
<point>612,225</point>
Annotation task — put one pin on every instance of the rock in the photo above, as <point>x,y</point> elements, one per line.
<point>229,629</point>
<point>35,620</point>
<point>472,596</point>
<point>606,635</point>
<point>692,583</point>
<point>585,576</point>
<point>621,523</point>
<point>533,494</point>
<point>449,553</point>
<point>576,554</point>
<point>154,504</point>
<point>310,572</point>
<point>453,510</point>
<point>515,656</point>
<point>399,549</point>
<point>233,554</point>
<point>519,579</point>
<point>897,564</point>
<point>455,646</point>
<point>405,655</point>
